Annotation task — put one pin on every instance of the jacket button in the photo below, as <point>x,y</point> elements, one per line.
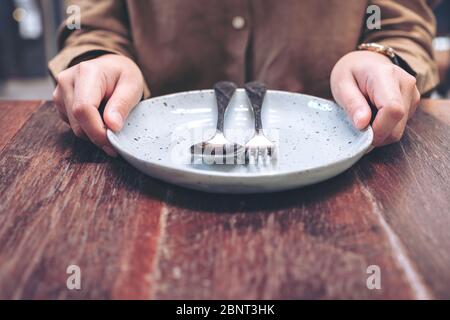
<point>238,22</point>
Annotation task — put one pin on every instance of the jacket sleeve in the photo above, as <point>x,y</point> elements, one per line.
<point>104,29</point>
<point>408,26</point>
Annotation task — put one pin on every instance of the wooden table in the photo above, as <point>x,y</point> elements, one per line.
<point>63,202</point>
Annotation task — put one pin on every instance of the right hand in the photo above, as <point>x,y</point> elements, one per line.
<point>81,89</point>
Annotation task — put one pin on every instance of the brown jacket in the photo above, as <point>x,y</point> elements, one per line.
<point>290,44</point>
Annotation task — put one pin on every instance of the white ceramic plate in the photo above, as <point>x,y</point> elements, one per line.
<point>316,141</point>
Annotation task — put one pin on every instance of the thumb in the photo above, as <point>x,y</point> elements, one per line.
<point>349,96</point>
<point>124,98</point>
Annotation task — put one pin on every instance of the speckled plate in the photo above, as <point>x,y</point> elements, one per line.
<point>315,139</point>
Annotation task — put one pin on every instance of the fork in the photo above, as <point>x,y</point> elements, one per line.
<point>219,149</point>
<point>259,145</point>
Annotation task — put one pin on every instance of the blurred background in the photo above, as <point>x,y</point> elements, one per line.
<point>28,32</point>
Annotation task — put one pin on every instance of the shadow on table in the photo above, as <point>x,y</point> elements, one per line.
<point>80,151</point>
<point>268,202</point>
<point>123,175</point>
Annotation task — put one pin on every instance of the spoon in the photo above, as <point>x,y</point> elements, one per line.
<point>219,149</point>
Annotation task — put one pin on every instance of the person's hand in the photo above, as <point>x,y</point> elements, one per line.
<point>81,89</point>
<point>364,77</point>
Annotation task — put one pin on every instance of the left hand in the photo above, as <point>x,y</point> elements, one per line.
<point>361,77</point>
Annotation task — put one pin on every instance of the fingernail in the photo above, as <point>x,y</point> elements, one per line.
<point>116,117</point>
<point>358,118</point>
<point>110,151</point>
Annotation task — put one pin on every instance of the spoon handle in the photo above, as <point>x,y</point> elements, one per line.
<point>256,91</point>
<point>224,92</point>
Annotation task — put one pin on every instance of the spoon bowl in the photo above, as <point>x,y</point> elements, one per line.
<point>217,150</point>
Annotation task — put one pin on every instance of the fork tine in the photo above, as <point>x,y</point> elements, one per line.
<point>255,155</point>
<point>275,153</point>
<point>272,152</point>
<point>264,155</point>
<point>269,159</point>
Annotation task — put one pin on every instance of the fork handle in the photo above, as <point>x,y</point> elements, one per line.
<point>256,91</point>
<point>224,92</point>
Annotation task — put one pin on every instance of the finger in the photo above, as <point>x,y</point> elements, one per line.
<point>410,93</point>
<point>66,84</point>
<point>59,104</point>
<point>76,128</point>
<point>88,94</point>
<point>388,99</point>
<point>125,97</point>
<point>63,117</point>
<point>415,102</point>
<point>411,98</point>
<point>396,134</point>
<point>349,96</point>
<point>385,122</point>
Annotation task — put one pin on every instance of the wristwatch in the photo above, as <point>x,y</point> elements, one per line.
<point>390,53</point>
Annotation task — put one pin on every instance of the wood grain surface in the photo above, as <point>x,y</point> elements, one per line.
<point>439,109</point>
<point>63,202</point>
<point>13,116</point>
